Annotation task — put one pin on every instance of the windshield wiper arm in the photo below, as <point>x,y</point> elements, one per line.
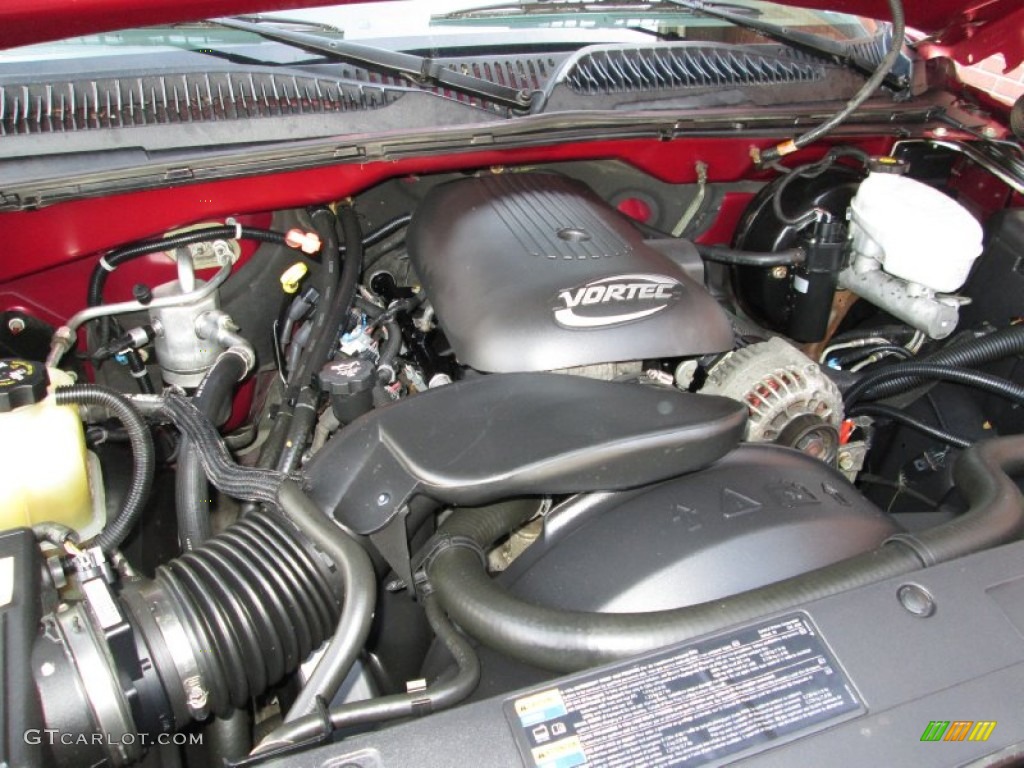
<point>420,70</point>
<point>804,41</point>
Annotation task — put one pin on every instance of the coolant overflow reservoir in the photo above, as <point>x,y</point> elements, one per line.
<point>44,465</point>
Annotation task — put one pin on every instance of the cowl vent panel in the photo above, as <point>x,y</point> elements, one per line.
<point>630,70</point>
<point>97,104</point>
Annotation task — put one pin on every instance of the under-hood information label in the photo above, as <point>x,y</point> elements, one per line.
<point>693,706</point>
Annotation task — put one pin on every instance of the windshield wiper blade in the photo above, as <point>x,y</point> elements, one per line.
<point>420,70</point>
<point>577,7</point>
<point>804,41</point>
<point>288,21</point>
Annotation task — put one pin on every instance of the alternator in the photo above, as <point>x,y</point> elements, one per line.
<point>790,401</point>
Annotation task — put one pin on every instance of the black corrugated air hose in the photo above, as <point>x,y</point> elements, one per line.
<point>254,602</point>
<point>967,354</point>
<point>942,372</point>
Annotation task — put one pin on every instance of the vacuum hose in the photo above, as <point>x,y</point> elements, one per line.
<point>571,640</point>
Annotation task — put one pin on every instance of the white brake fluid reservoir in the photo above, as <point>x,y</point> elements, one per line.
<point>915,232</point>
<point>44,464</point>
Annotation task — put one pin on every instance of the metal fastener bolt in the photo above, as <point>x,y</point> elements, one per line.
<point>47,669</point>
<point>916,600</point>
<point>845,461</point>
<point>16,325</point>
<point>780,272</point>
<point>383,499</point>
<point>990,131</point>
<point>196,698</point>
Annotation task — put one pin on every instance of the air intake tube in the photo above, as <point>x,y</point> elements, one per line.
<point>214,628</point>
<point>569,640</point>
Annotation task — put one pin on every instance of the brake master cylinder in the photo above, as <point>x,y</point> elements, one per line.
<point>912,247</point>
<point>44,464</point>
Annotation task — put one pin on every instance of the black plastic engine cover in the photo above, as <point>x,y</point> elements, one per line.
<point>534,272</point>
<point>495,437</point>
<point>761,514</point>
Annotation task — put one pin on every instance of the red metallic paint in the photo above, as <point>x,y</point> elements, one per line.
<point>973,41</point>
<point>39,240</point>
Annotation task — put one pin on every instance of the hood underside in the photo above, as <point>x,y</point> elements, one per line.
<point>968,30</point>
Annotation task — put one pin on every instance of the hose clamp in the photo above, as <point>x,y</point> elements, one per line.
<point>176,640</point>
<point>437,544</point>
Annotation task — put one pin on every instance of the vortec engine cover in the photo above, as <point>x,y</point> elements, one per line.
<point>534,272</point>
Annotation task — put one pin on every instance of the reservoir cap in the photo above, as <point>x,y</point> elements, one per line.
<point>22,382</point>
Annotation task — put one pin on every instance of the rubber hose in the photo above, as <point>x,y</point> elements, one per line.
<point>723,255</point>
<point>943,372</point>
<point>442,694</point>
<point>372,310</point>
<point>811,171</point>
<point>571,640</point>
<point>359,582</point>
<point>301,374</point>
<point>228,738</point>
<point>895,414</point>
<point>986,349</point>
<point>393,345</point>
<point>254,602</point>
<point>303,420</point>
<point>326,312</point>
<point>143,456</point>
<point>192,493</point>
<point>323,346</point>
<point>243,483</point>
<point>869,87</point>
<point>403,305</point>
<point>384,231</point>
<point>270,453</point>
<point>114,259</point>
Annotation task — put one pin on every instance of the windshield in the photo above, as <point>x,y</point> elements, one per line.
<point>435,24</point>
<point>423,65</point>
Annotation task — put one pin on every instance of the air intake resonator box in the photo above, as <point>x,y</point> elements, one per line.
<point>534,272</point>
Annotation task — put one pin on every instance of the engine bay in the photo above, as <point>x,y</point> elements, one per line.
<point>308,470</point>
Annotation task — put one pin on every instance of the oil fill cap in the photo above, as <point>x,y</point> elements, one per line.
<point>21,383</point>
